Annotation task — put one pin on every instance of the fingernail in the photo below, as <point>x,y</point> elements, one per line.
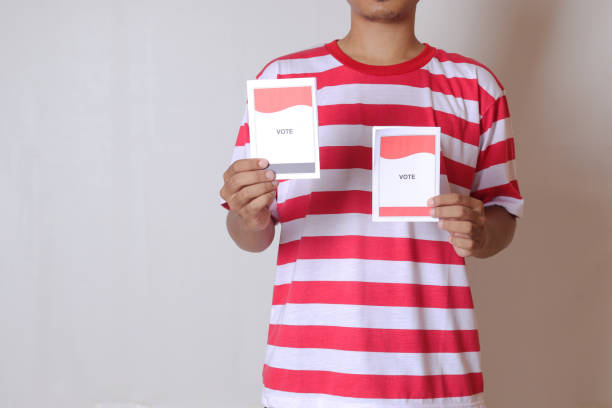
<point>263,163</point>
<point>269,174</point>
<point>432,212</point>
<point>430,202</point>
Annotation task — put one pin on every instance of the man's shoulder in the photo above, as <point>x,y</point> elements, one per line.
<point>286,63</point>
<point>464,66</point>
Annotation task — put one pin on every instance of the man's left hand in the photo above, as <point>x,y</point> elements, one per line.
<point>464,218</point>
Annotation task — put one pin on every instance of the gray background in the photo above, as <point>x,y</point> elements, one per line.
<point>118,281</point>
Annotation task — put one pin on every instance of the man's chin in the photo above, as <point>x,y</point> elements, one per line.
<point>383,10</point>
<point>382,16</point>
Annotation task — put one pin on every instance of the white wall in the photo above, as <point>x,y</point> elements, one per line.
<point>118,281</point>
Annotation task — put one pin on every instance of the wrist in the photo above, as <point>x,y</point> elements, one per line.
<point>249,239</point>
<point>498,230</point>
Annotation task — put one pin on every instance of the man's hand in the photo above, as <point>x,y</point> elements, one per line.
<point>464,218</point>
<point>249,189</point>
<point>475,230</point>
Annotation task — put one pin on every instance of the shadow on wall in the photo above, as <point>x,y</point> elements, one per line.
<point>543,305</point>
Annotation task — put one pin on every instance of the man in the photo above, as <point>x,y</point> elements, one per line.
<point>369,314</point>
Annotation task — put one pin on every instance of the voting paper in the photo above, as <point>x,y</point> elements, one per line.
<point>283,125</point>
<point>405,172</point>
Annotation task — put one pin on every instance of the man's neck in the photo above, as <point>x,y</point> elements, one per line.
<point>381,43</point>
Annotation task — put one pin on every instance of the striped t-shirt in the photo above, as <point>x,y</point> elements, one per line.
<point>380,314</point>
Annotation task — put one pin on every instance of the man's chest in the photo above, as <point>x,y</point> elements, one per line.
<point>346,114</point>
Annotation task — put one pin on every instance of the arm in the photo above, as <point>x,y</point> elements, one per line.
<point>475,230</point>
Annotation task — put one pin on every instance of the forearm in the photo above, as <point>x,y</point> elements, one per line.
<point>252,241</point>
<point>499,231</point>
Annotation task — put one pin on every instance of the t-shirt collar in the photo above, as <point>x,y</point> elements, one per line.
<point>403,67</point>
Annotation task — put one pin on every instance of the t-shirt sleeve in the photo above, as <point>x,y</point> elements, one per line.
<point>495,179</point>
<point>241,148</point>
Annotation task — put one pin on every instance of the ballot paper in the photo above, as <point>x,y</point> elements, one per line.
<point>405,172</point>
<point>283,125</point>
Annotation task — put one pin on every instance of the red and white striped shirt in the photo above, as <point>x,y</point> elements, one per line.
<point>368,314</point>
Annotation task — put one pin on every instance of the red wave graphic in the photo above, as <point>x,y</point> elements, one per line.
<point>268,100</point>
<point>401,211</point>
<point>395,147</point>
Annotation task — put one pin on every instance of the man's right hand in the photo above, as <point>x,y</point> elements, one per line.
<point>249,189</point>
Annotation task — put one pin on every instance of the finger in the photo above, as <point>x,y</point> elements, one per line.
<point>246,178</point>
<point>459,212</point>
<point>250,192</point>
<point>448,199</point>
<point>477,205</point>
<point>463,243</point>
<point>461,235</point>
<point>459,226</point>
<point>455,199</point>
<point>462,252</point>
<point>244,165</point>
<point>257,204</point>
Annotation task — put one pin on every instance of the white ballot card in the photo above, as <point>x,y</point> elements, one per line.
<point>405,172</point>
<point>284,126</point>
